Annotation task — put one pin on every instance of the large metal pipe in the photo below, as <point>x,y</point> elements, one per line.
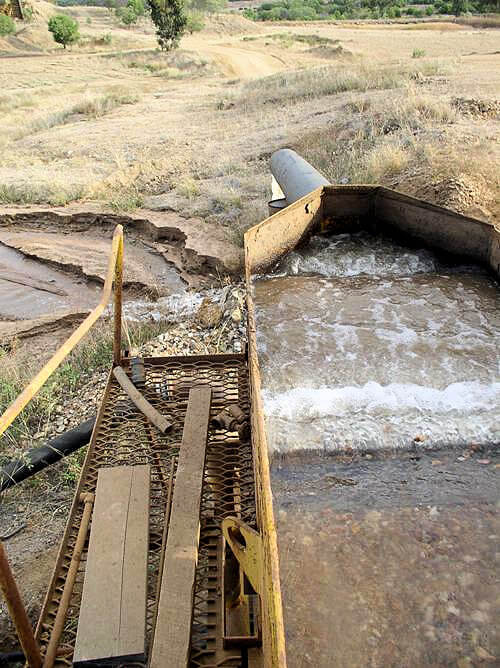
<point>295,176</point>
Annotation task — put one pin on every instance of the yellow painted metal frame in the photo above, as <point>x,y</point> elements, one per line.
<point>114,277</point>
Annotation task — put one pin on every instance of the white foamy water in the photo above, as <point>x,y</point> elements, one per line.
<point>367,361</point>
<point>355,255</point>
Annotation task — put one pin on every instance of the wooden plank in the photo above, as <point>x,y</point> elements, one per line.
<point>173,625</point>
<point>141,402</point>
<point>112,624</point>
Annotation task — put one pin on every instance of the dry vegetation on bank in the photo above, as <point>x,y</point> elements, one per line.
<point>179,133</point>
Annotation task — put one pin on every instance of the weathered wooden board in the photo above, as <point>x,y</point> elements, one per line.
<point>112,623</point>
<point>175,610</point>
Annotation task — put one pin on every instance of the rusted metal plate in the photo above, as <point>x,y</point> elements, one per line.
<point>112,622</point>
<point>273,238</point>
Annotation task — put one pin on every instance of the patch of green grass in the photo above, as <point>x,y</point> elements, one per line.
<point>418,53</point>
<point>93,355</point>
<point>124,198</point>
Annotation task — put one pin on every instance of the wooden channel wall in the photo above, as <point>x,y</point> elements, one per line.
<point>337,208</point>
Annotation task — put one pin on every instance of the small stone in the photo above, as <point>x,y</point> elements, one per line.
<point>209,314</point>
<point>483,461</point>
<point>419,438</point>
<point>484,654</point>
<point>236,315</point>
<point>464,662</point>
<point>479,616</point>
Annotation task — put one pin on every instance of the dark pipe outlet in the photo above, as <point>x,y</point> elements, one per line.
<point>7,658</point>
<point>37,459</point>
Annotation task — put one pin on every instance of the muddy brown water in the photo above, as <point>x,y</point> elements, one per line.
<point>31,288</point>
<point>57,291</point>
<point>381,391</point>
<point>368,345</point>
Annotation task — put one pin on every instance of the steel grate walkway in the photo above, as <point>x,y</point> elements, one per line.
<point>123,436</point>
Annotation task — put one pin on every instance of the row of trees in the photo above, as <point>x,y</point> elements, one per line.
<point>170,17</point>
<point>312,10</point>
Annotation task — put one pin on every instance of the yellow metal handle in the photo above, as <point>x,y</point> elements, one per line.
<point>114,275</point>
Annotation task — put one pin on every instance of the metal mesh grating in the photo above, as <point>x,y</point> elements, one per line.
<point>123,436</point>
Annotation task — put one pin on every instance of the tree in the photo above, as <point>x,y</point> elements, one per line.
<point>64,30</point>
<point>137,6</point>
<point>7,25</point>
<point>126,15</point>
<point>194,22</point>
<point>205,6</point>
<point>459,7</point>
<point>170,21</point>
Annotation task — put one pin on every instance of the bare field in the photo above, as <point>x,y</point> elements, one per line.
<point>192,130</point>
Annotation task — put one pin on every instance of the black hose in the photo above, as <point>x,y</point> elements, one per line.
<point>37,459</point>
<point>6,658</point>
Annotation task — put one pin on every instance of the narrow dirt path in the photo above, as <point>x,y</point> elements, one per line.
<point>242,63</point>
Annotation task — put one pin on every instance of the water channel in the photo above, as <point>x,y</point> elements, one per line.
<point>365,344</point>
<point>381,391</point>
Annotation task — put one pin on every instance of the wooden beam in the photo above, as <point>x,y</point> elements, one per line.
<point>112,623</point>
<point>171,642</point>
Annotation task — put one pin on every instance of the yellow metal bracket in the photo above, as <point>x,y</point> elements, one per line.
<point>246,544</point>
<point>113,278</point>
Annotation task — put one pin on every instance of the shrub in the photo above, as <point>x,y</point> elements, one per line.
<point>7,25</point>
<point>137,6</point>
<point>126,15</point>
<point>195,22</point>
<point>418,53</point>
<point>27,12</point>
<point>64,29</point>
<point>429,10</point>
<point>104,39</point>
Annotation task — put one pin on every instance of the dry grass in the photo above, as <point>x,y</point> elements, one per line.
<point>289,87</point>
<point>484,21</point>
<point>94,107</point>
<point>177,64</point>
<point>295,86</point>
<point>13,101</point>
<point>91,106</point>
<point>380,141</point>
<point>54,192</point>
